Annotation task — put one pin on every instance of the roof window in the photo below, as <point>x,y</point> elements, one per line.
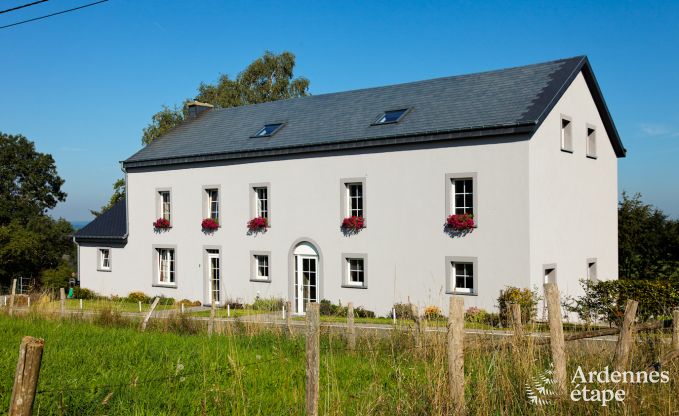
<point>391,116</point>
<point>268,130</point>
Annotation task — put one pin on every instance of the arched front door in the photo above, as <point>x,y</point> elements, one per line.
<point>306,275</point>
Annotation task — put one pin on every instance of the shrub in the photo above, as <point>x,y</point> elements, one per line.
<point>403,311</point>
<point>187,303</point>
<point>606,299</point>
<point>327,308</point>
<point>268,304</point>
<point>138,297</point>
<point>433,313</point>
<point>526,298</point>
<point>166,300</point>
<point>58,277</point>
<point>86,294</point>
<point>481,316</point>
<point>361,312</point>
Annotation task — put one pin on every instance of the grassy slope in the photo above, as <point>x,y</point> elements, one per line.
<point>263,373</point>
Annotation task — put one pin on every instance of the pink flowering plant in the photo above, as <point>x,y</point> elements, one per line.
<point>209,224</point>
<point>161,224</point>
<point>257,224</point>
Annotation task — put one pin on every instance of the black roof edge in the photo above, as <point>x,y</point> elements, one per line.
<point>585,67</point>
<point>101,239</point>
<point>423,137</point>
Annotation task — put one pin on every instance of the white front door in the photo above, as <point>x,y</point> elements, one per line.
<point>306,281</point>
<point>214,275</point>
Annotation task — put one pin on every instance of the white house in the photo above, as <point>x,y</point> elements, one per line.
<point>531,152</point>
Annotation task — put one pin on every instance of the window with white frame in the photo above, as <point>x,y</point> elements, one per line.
<point>566,135</point>
<point>166,266</point>
<point>165,205</point>
<point>261,266</point>
<point>354,199</point>
<point>463,277</point>
<point>212,196</point>
<point>104,259</point>
<point>591,142</point>
<point>355,271</point>
<point>262,202</point>
<point>463,196</point>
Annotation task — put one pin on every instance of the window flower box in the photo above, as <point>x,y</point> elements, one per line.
<point>460,222</point>
<point>209,224</point>
<point>353,224</point>
<point>258,224</point>
<point>162,224</point>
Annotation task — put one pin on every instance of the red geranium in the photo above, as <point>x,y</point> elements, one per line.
<point>161,223</point>
<point>353,223</point>
<point>460,222</point>
<point>209,224</point>
<point>258,224</point>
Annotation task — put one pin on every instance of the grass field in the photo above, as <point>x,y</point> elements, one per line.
<point>109,367</point>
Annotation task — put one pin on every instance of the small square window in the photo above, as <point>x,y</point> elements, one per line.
<point>463,274</point>
<point>550,274</point>
<point>591,142</point>
<point>566,135</point>
<point>261,267</point>
<point>268,130</point>
<point>592,271</point>
<point>104,259</point>
<point>356,272</point>
<point>391,116</point>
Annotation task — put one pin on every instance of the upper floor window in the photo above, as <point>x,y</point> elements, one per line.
<point>165,205</point>
<point>268,130</point>
<point>165,258</point>
<point>391,116</point>
<point>104,259</point>
<point>262,202</point>
<point>566,135</point>
<point>212,196</point>
<point>354,199</point>
<point>463,196</point>
<point>591,142</point>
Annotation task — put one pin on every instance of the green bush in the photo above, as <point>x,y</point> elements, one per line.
<point>86,294</point>
<point>526,298</point>
<point>327,308</point>
<point>403,311</point>
<point>481,316</point>
<point>361,312</point>
<point>268,304</point>
<point>58,277</point>
<point>138,297</point>
<point>605,300</point>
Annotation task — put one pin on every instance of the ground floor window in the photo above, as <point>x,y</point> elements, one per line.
<point>166,265</point>
<point>356,272</point>
<point>464,277</point>
<point>261,267</point>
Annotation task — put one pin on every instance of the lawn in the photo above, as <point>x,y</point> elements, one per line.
<point>109,367</point>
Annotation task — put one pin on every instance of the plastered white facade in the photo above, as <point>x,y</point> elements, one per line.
<point>536,205</point>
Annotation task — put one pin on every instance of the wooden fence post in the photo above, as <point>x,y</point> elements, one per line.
<point>313,359</point>
<point>418,325</point>
<point>516,319</point>
<point>26,377</point>
<point>556,339</point>
<point>288,317</point>
<point>148,315</point>
<point>626,337</point>
<point>11,297</point>
<point>351,330</point>
<point>455,349</point>
<point>211,322</point>
<point>62,302</point>
<point>675,329</point>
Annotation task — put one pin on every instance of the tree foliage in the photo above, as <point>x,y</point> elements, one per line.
<point>29,183</point>
<point>648,241</point>
<point>269,78</point>
<point>118,194</point>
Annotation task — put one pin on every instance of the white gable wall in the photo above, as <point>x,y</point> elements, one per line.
<point>573,199</point>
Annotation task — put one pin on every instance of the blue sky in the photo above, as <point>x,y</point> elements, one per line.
<point>83,85</point>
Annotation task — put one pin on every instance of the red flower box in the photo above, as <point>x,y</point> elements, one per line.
<point>209,224</point>
<point>353,223</point>
<point>258,224</point>
<point>161,224</point>
<point>460,222</point>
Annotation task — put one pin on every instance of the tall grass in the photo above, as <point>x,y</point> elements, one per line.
<point>109,367</point>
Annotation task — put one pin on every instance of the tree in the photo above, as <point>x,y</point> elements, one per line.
<point>118,194</point>
<point>268,78</point>
<point>648,241</point>
<point>29,183</point>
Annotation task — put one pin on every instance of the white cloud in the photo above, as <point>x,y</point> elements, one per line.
<point>658,130</point>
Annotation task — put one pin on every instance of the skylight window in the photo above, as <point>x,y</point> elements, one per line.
<point>268,130</point>
<point>391,116</point>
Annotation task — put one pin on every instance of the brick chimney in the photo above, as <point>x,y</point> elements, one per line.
<point>197,108</point>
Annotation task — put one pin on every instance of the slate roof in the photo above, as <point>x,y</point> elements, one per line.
<point>111,225</point>
<point>504,101</point>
